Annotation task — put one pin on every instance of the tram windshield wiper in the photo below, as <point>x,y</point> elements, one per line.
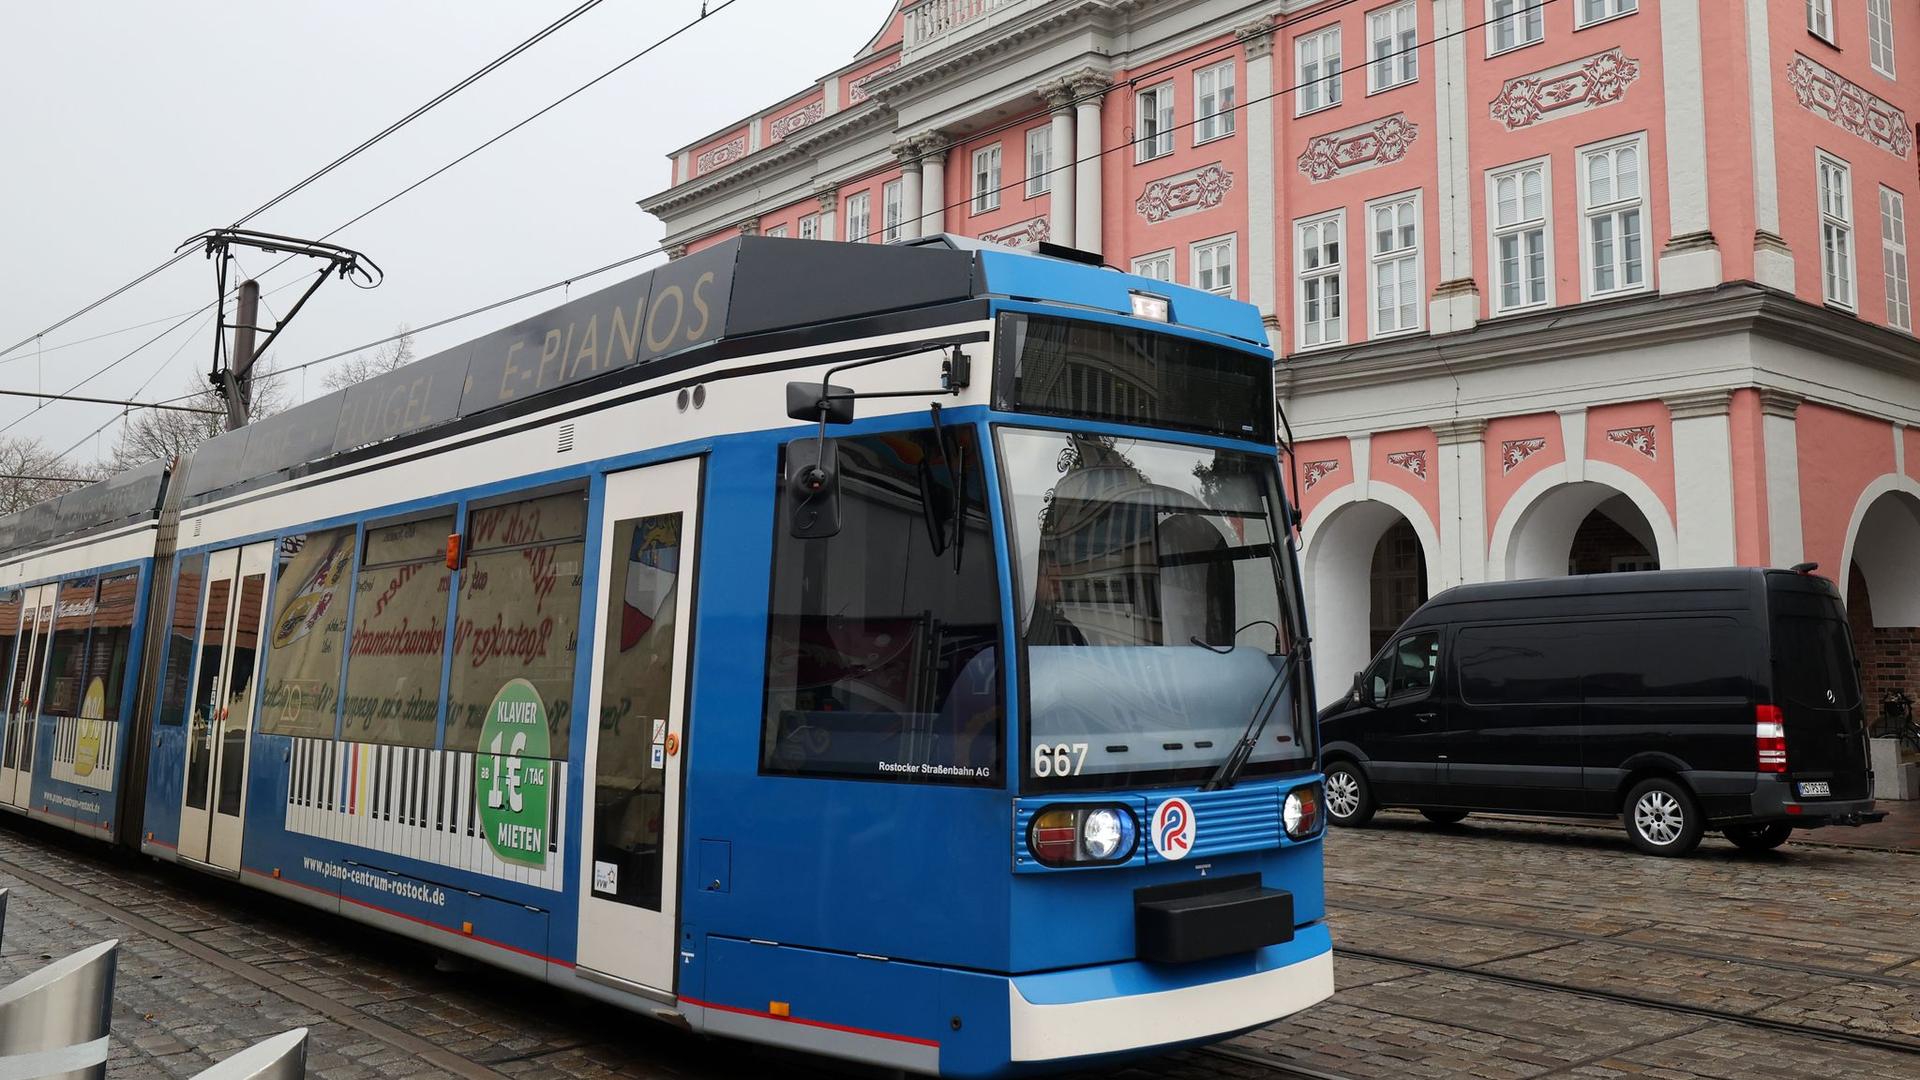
<point>1229,770</point>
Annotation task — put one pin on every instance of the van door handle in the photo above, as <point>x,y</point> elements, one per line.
<point>1426,717</point>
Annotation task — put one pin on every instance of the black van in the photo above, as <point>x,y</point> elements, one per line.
<point>1676,699</point>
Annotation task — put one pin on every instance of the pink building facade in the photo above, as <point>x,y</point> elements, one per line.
<point>1557,285</point>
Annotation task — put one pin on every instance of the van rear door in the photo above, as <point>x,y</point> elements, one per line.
<point>1817,687</point>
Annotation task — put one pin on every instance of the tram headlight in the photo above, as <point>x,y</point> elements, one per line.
<point>1303,811</point>
<point>1082,835</point>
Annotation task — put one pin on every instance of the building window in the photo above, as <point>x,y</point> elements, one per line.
<point>859,217</point>
<point>1213,101</point>
<point>1513,23</point>
<point>1154,136</point>
<point>1836,231</point>
<point>1039,161</point>
<point>892,209</point>
<point>1613,203</point>
<point>1213,265</point>
<point>1520,237</point>
<point>1880,36</point>
<point>810,227</point>
<point>1393,256</point>
<point>1593,11</point>
<point>1158,266</point>
<point>1893,256</point>
<point>1820,19</point>
<point>986,179</point>
<point>1320,271</point>
<point>1316,70</point>
<point>1393,39</point>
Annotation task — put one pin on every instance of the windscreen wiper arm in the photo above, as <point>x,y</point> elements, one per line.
<point>1229,770</point>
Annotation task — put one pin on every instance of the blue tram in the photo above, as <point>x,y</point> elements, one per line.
<point>893,652</point>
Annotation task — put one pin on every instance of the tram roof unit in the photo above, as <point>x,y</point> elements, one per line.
<point>682,314</point>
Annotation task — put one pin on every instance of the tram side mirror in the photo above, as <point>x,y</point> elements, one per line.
<point>813,486</point>
<point>804,402</point>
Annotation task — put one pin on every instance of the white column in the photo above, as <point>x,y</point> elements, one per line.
<point>1463,503</point>
<point>1456,298</point>
<point>1779,432</point>
<point>1060,151</point>
<point>1691,259</point>
<point>1573,437</point>
<point>1262,288</point>
<point>933,192</point>
<point>829,211</point>
<point>907,150</point>
<point>1703,478</point>
<point>1772,258</point>
<point>1088,87</point>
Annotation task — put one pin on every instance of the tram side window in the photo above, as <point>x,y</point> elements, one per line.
<point>109,646</point>
<point>72,615</point>
<point>306,635</point>
<point>518,619</point>
<point>180,634</point>
<point>10,609</point>
<point>399,634</point>
<point>882,648</point>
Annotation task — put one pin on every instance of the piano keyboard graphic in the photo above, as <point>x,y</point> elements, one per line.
<point>410,801</point>
<point>66,747</point>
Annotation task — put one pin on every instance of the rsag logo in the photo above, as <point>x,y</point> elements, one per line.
<point>1173,829</point>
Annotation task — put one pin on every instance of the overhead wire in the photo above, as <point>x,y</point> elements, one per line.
<point>365,145</point>
<point>1116,148</point>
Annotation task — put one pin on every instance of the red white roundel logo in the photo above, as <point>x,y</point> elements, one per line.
<point>1173,829</point>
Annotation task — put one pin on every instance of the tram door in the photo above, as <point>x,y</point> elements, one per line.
<point>232,617</point>
<point>23,712</point>
<point>636,753</point>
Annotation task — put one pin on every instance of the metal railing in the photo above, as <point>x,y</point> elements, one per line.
<point>55,1024</point>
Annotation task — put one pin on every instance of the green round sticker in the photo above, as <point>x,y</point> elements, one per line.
<point>510,774</point>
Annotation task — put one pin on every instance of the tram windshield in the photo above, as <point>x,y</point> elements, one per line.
<point>1151,592</point>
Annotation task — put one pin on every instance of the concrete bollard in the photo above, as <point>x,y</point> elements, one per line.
<point>54,1022</point>
<point>283,1057</point>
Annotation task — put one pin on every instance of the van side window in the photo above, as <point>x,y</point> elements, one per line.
<point>1516,663</point>
<point>1414,659</point>
<point>1669,658</point>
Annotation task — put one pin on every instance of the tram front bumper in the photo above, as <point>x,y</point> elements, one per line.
<point>1117,1008</point>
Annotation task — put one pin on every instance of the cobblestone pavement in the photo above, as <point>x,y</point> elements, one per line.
<point>1492,949</point>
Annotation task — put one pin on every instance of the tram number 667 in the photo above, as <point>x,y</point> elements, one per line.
<point>1060,759</point>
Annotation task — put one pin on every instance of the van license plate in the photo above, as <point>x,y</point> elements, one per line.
<point>1814,789</point>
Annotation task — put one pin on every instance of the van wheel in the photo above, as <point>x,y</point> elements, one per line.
<point>1758,837</point>
<point>1444,817</point>
<point>1662,819</point>
<point>1349,799</point>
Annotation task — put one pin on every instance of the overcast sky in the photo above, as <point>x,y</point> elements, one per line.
<point>129,127</point>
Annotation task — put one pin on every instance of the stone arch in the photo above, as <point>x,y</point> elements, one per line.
<point>1338,548</point>
<point>1535,529</point>
<point>1883,540</point>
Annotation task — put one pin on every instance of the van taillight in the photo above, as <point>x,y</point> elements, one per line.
<point>1770,738</point>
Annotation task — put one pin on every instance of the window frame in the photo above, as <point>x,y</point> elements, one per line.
<point>1892,251</point>
<point>779,230</point>
<point>1376,259</point>
<point>1223,121</point>
<point>1406,62</point>
<point>810,226</point>
<point>1883,41</point>
<point>1329,84</point>
<point>1618,9</point>
<point>1165,254</point>
<point>1588,212</point>
<point>893,210</point>
<point>863,199</point>
<point>1845,225</point>
<point>1230,242</point>
<point>1822,11</point>
<point>985,197</point>
<point>1160,98</point>
<point>1518,17</point>
<point>1039,165</point>
<point>363,564</point>
<point>1391,661</point>
<point>1338,218</point>
<point>1495,231</point>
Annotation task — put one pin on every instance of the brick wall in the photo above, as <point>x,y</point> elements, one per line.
<point>1889,655</point>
